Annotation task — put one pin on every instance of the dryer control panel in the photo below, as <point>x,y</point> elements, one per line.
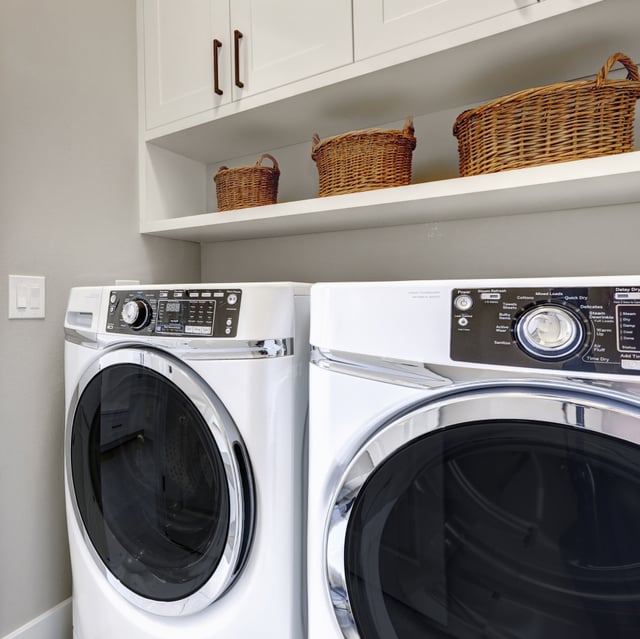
<point>594,329</point>
<point>193,312</point>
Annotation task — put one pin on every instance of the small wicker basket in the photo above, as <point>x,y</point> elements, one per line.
<point>556,123</point>
<point>247,185</point>
<point>364,160</point>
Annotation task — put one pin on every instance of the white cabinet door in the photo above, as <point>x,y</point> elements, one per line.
<point>181,38</point>
<point>287,40</point>
<point>383,25</point>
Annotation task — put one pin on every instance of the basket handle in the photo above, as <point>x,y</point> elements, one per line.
<point>270,157</point>
<point>632,69</point>
<point>408,126</point>
<point>314,146</point>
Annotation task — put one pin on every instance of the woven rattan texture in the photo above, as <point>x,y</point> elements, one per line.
<point>364,160</point>
<point>556,123</point>
<point>247,185</point>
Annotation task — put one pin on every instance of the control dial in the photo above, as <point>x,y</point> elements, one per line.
<point>550,331</point>
<point>136,314</point>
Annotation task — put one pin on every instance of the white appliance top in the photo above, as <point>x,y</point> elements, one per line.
<point>586,326</point>
<point>226,311</point>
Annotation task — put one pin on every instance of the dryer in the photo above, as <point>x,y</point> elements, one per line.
<point>474,459</point>
<point>186,415</point>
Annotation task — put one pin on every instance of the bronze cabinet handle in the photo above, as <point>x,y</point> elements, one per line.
<point>216,79</point>
<point>236,50</point>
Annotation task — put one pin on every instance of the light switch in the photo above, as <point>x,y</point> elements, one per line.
<point>34,297</point>
<point>21,297</point>
<point>26,296</point>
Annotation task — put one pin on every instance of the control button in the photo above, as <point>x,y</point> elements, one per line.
<point>227,331</point>
<point>463,302</point>
<point>630,364</point>
<point>194,294</point>
<point>548,331</point>
<point>113,298</point>
<point>463,321</point>
<point>206,293</point>
<point>232,299</point>
<point>229,321</point>
<point>489,296</point>
<point>197,330</point>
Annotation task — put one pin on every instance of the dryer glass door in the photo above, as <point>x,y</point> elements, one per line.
<point>151,486</point>
<point>502,528</point>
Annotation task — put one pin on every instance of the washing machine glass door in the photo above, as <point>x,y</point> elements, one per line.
<point>161,486</point>
<point>496,515</point>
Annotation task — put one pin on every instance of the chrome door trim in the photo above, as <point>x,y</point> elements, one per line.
<point>588,408</point>
<point>379,369</point>
<point>80,337</point>
<point>190,348</point>
<point>226,437</point>
<point>237,349</point>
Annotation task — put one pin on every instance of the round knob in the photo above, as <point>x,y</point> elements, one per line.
<point>136,313</point>
<point>550,332</point>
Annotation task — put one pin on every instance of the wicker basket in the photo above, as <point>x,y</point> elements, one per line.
<point>364,160</point>
<point>247,185</point>
<point>556,123</point>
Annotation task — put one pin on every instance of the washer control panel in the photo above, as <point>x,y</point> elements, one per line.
<point>193,312</point>
<point>593,329</point>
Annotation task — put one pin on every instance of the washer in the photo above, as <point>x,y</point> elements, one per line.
<point>474,459</point>
<point>186,426</point>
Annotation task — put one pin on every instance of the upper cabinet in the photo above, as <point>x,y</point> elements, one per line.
<point>281,41</point>
<point>202,54</point>
<point>382,25</point>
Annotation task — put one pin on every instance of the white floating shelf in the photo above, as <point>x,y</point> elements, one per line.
<point>588,183</point>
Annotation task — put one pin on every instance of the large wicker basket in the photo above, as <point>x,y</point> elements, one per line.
<point>364,160</point>
<point>247,185</point>
<point>556,123</point>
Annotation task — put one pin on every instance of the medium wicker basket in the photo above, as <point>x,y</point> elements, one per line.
<point>364,160</point>
<point>556,123</point>
<point>247,185</point>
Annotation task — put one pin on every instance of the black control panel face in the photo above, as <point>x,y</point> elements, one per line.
<point>594,329</point>
<point>193,312</point>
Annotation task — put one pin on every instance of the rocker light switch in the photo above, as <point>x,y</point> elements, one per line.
<point>21,297</point>
<point>35,293</point>
<point>26,296</point>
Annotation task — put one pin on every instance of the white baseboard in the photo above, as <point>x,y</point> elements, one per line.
<point>55,623</point>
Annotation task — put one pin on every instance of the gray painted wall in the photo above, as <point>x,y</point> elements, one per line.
<point>68,211</point>
<point>582,242</point>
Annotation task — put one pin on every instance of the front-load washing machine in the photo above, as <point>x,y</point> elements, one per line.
<point>474,459</point>
<point>184,449</point>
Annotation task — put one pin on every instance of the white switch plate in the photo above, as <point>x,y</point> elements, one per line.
<point>26,296</point>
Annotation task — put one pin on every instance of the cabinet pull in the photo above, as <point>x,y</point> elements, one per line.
<point>216,80</point>
<point>236,50</point>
